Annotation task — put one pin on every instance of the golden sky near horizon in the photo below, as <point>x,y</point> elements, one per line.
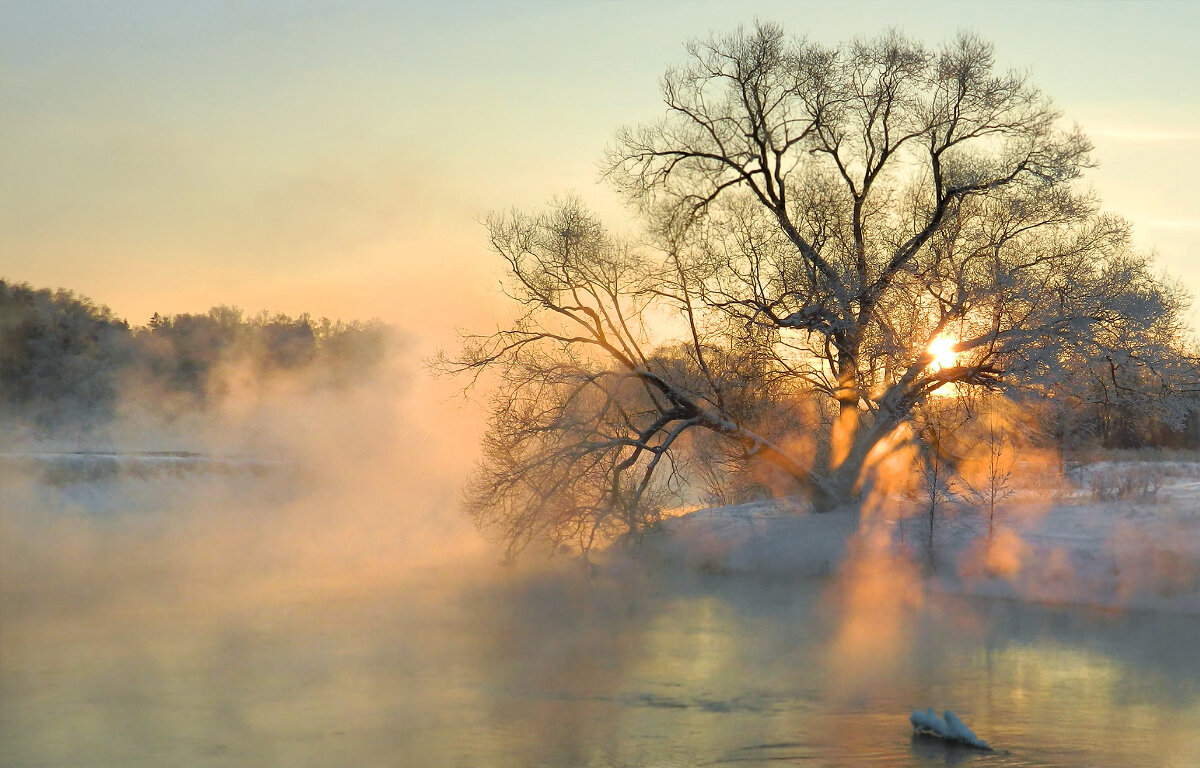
<point>336,158</point>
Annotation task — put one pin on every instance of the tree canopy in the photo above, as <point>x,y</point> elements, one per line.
<point>817,220</point>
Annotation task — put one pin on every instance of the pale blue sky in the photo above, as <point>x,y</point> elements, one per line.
<point>335,157</point>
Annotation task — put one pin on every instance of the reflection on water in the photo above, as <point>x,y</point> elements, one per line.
<point>556,671</point>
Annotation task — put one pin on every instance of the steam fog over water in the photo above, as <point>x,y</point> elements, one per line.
<point>336,609</point>
<point>821,367</point>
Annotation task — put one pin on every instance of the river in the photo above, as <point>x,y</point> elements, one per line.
<point>561,671</point>
<point>239,619</point>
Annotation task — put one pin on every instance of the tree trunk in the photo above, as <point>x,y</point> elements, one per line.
<point>836,490</point>
<point>843,484</point>
<point>846,426</point>
<point>848,481</point>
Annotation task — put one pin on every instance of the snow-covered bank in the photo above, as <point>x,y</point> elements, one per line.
<point>1112,554</point>
<point>1074,546</point>
<point>773,537</point>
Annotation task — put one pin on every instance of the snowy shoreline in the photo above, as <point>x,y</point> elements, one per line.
<point>1063,547</point>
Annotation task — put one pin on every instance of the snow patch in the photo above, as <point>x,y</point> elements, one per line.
<point>1063,548</point>
<point>948,727</point>
<point>772,537</point>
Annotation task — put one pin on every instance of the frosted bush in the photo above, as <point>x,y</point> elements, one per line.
<point>1132,483</point>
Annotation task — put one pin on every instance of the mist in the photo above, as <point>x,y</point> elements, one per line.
<point>238,538</point>
<point>289,499</point>
<point>318,597</point>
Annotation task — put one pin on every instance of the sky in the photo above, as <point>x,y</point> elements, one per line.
<point>337,158</point>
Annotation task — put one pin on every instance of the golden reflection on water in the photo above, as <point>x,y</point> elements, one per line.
<point>385,680</point>
<point>122,660</point>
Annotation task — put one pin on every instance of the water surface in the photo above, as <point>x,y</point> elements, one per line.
<point>184,657</point>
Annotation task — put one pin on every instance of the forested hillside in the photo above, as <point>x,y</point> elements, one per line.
<point>67,362</point>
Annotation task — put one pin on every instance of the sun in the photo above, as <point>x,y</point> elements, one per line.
<point>944,354</point>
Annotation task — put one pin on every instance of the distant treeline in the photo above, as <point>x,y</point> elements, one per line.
<point>66,361</point>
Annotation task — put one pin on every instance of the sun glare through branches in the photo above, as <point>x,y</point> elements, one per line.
<point>943,352</point>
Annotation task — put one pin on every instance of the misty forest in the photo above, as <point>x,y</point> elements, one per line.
<point>67,364</point>
<point>868,408</point>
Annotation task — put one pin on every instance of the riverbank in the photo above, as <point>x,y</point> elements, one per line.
<point>1115,535</point>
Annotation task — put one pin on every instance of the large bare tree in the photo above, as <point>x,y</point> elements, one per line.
<point>817,218</point>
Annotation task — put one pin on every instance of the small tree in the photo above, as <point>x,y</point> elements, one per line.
<point>994,480</point>
<point>938,473</point>
<point>936,493</point>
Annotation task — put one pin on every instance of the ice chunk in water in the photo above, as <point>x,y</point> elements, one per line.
<point>948,727</point>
